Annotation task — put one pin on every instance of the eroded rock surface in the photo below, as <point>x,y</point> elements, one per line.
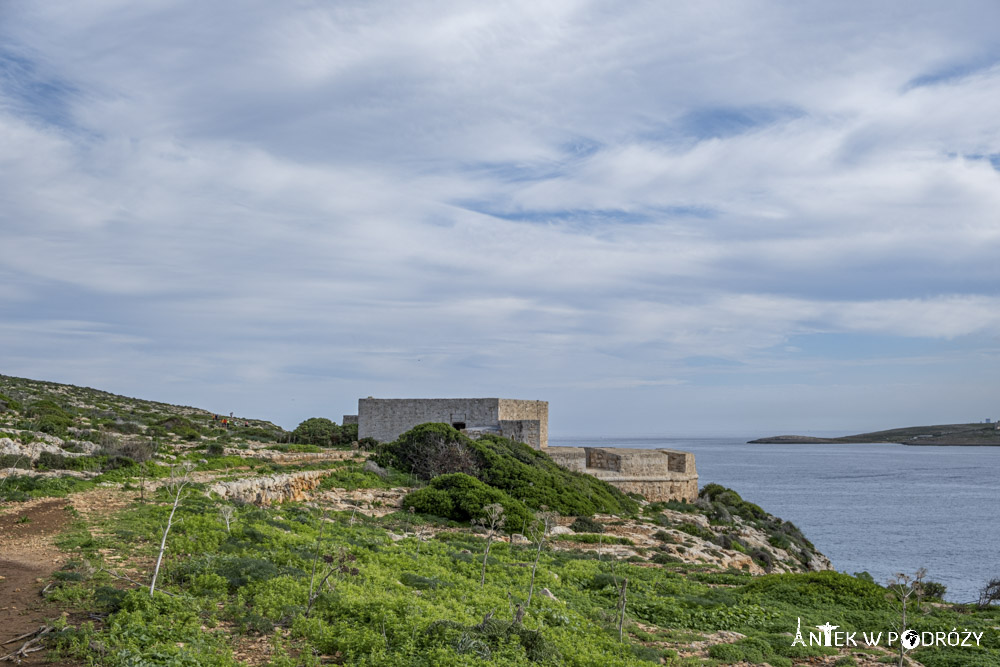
<point>272,488</point>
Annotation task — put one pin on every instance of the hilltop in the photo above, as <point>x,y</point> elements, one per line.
<point>945,434</point>
<point>308,547</point>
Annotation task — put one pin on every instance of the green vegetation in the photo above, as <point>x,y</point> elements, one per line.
<point>306,585</point>
<point>459,497</point>
<point>323,432</point>
<point>516,469</point>
<point>256,578</point>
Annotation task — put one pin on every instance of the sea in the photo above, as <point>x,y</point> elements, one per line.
<point>876,508</point>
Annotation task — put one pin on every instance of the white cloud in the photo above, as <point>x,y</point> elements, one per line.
<point>507,196</point>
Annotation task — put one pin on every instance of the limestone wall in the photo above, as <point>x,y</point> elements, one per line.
<point>349,419</point>
<point>571,458</point>
<point>528,431</point>
<point>658,474</point>
<point>385,419</point>
<point>518,410</point>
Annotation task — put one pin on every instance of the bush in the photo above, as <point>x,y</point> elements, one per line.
<point>50,418</point>
<point>460,497</point>
<point>316,431</point>
<point>50,461</point>
<point>8,403</point>
<point>695,530</point>
<point>934,589</point>
<point>137,449</point>
<point>14,461</point>
<point>513,467</point>
<point>665,559</point>
<point>177,424</point>
<point>584,524</point>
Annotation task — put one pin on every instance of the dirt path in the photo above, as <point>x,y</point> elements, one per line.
<point>28,557</point>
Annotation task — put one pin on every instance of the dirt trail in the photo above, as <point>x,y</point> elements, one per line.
<point>28,557</point>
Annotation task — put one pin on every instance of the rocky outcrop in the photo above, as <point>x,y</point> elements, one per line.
<point>270,489</point>
<point>687,548</point>
<point>372,502</point>
<point>33,450</point>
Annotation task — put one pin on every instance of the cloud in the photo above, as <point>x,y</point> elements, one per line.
<point>327,201</point>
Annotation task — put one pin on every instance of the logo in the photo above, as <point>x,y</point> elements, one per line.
<point>909,638</point>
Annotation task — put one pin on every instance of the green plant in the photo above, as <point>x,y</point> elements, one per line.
<point>585,524</point>
<point>513,467</point>
<point>462,498</point>
<point>316,431</point>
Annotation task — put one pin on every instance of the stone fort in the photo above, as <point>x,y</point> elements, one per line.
<point>658,474</point>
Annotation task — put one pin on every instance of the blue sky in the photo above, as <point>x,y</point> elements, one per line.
<point>665,218</point>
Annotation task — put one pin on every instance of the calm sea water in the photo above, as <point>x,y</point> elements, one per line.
<point>878,508</point>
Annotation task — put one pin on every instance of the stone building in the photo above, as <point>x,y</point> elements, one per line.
<point>385,419</point>
<point>658,474</point>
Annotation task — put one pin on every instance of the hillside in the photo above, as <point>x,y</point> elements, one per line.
<point>945,434</point>
<point>282,552</point>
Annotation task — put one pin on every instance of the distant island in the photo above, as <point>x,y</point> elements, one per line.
<point>946,434</point>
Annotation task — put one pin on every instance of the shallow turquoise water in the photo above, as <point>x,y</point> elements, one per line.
<point>881,508</point>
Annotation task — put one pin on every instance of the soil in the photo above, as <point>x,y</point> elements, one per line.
<point>28,557</point>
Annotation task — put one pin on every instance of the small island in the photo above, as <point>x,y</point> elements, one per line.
<point>946,434</point>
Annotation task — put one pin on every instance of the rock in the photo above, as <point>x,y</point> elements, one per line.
<point>561,530</point>
<point>270,489</point>
<point>371,466</point>
<point>34,449</point>
<point>548,594</point>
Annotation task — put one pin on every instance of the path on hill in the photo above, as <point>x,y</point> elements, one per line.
<point>28,557</point>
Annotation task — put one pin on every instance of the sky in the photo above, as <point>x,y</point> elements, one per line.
<point>664,218</point>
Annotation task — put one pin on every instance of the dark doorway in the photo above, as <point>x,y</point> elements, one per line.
<point>459,425</point>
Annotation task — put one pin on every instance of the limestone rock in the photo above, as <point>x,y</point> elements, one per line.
<point>270,489</point>
<point>33,450</point>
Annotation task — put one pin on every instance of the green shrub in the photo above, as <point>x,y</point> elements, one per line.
<point>585,524</point>
<point>513,467</point>
<point>14,461</point>
<point>51,461</point>
<point>593,538</point>
<point>665,559</point>
<point>695,530</point>
<point>780,541</point>
<point>21,488</point>
<point>934,589</point>
<point>316,431</point>
<point>460,497</point>
<point>726,653</point>
<point>9,404</point>
<point>49,413</point>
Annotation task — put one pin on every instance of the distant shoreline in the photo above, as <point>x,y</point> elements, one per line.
<point>947,435</point>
